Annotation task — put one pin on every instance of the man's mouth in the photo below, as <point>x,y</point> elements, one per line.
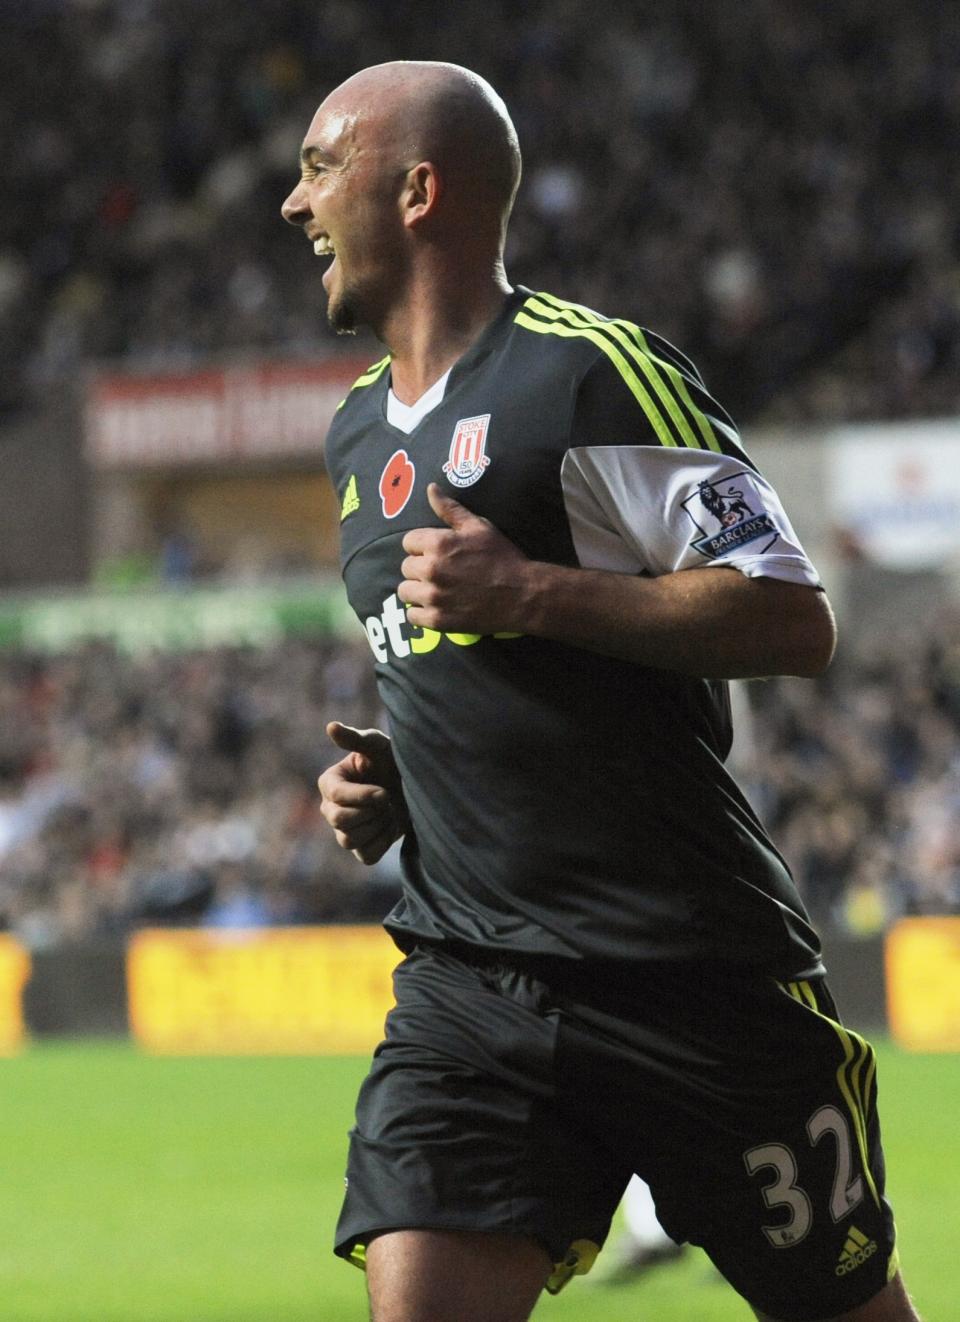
<point>323,247</point>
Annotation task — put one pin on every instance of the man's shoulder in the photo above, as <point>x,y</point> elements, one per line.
<point>358,397</point>
<point>358,411</point>
<point>612,348</point>
<point>558,327</point>
<point>631,385</point>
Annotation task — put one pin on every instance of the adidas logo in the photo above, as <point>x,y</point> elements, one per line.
<point>855,1252</point>
<point>351,501</point>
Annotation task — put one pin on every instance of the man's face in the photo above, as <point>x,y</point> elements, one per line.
<point>347,201</point>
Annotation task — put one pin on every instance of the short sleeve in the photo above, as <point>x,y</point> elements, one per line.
<point>644,509</point>
<point>655,481</point>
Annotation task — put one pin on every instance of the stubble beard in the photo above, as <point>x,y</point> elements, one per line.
<point>363,302</point>
<point>343,313</point>
<point>342,318</point>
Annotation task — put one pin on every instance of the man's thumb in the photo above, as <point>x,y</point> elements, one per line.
<point>445,507</point>
<point>356,741</point>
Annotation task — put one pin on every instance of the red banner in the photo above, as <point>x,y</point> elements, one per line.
<point>261,411</point>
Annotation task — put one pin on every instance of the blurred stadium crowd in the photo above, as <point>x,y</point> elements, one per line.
<point>180,788</point>
<point>857,777</point>
<point>174,788</point>
<point>769,185</point>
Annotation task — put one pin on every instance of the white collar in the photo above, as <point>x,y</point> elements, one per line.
<point>406,416</point>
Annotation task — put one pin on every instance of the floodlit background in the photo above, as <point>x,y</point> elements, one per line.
<point>190,972</point>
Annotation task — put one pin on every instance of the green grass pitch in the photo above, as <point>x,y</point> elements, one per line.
<point>135,1189</point>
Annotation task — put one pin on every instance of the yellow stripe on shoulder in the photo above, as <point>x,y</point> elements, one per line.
<point>560,326</point>
<point>367,378</point>
<point>667,380</point>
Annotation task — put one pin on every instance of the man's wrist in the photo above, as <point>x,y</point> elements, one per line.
<point>541,596</point>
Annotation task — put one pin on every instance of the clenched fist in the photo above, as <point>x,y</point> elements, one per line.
<point>362,797</point>
<point>466,577</point>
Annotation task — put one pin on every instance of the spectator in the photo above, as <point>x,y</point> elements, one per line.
<point>858,776</point>
<point>770,186</point>
<point>174,788</point>
<point>180,788</point>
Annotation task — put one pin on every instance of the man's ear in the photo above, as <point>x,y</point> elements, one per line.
<point>421,192</point>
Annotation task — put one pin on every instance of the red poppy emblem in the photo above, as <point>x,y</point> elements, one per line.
<point>396,483</point>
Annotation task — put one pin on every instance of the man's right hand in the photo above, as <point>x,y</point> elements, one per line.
<point>362,797</point>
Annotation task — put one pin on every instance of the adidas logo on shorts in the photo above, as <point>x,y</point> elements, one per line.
<point>855,1252</point>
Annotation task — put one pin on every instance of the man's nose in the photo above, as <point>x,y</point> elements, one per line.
<point>295,210</point>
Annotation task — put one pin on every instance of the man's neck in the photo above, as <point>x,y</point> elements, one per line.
<point>435,326</point>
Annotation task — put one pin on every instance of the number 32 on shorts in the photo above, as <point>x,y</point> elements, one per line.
<point>783,1191</point>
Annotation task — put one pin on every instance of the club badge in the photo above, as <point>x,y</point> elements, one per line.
<point>468,462</point>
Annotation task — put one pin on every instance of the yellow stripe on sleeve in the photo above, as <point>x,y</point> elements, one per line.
<point>704,424</point>
<point>630,377</point>
<point>633,339</point>
<point>574,317</point>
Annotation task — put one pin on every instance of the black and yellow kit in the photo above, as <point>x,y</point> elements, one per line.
<point>573,824</point>
<point>563,802</point>
<point>506,1099</point>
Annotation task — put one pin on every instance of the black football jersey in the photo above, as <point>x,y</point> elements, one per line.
<point>565,803</point>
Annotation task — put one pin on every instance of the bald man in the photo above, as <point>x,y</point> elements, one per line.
<point>560,552</point>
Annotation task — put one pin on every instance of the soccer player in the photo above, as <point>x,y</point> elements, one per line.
<point>559,552</point>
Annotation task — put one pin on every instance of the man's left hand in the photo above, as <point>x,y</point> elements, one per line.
<point>464,578</point>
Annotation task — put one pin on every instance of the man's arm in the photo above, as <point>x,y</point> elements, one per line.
<point>711,622</point>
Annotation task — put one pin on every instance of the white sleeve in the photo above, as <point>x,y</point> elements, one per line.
<point>647,509</point>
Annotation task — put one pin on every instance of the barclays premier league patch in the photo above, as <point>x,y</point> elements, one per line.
<point>728,514</point>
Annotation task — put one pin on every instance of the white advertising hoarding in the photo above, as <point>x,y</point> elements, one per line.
<point>894,491</point>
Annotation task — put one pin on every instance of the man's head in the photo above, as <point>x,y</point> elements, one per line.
<point>400,158</point>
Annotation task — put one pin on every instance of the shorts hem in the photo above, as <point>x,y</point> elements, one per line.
<point>346,1245</point>
<point>840,1307</point>
<point>576,1260</point>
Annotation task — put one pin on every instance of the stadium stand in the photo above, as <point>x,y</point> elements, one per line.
<point>180,787</point>
<point>856,775</point>
<point>769,186</point>
<point>174,788</point>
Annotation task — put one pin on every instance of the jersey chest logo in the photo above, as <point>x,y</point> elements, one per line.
<point>396,483</point>
<point>468,462</point>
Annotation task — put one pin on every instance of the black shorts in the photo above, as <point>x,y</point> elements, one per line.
<point>500,1103</point>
